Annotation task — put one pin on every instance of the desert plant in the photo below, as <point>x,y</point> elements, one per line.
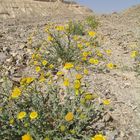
<point>92,22</point>
<point>75,28</point>
<point>59,104</point>
<point>45,114</point>
<point>135,54</point>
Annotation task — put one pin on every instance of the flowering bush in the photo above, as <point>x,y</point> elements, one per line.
<point>57,102</point>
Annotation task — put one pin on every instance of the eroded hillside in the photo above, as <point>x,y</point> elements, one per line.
<point>37,9</point>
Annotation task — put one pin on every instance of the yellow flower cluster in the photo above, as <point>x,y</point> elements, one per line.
<point>16,92</point>
<point>60,28</point>
<point>94,61</point>
<point>26,80</point>
<point>77,84</point>
<point>68,66</point>
<point>21,115</point>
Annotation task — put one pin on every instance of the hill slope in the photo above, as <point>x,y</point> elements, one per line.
<point>30,8</point>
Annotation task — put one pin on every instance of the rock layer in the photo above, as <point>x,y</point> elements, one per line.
<point>29,8</point>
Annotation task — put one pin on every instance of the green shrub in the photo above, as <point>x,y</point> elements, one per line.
<point>76,28</point>
<point>92,22</point>
<point>55,116</point>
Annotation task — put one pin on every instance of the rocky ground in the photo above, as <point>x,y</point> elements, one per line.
<point>119,32</point>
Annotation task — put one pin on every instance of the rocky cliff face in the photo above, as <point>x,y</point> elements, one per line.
<point>30,8</point>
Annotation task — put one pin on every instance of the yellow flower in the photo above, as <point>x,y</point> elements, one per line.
<point>106,102</point>
<point>87,44</point>
<point>21,115</point>
<point>92,33</point>
<point>16,92</point>
<point>99,54</point>
<point>42,79</point>
<point>11,121</point>
<point>38,69</point>
<point>62,128</point>
<point>35,62</point>
<point>79,76</point>
<point>98,137</point>
<point>85,54</point>
<point>33,115</point>
<point>66,82</point>
<point>88,96</point>
<point>26,80</point>
<point>23,81</point>
<point>86,72</point>
<point>134,54</point>
<point>75,37</point>
<point>77,84</point>
<point>29,80</point>
<point>80,46</point>
<point>60,28</point>
<point>77,92</point>
<point>60,73</point>
<point>26,137</point>
<point>84,58</point>
<point>68,66</point>
<point>93,61</point>
<point>51,66</point>
<point>69,117</point>
<point>110,65</point>
<point>44,62</point>
<point>49,38</point>
<point>108,52</point>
